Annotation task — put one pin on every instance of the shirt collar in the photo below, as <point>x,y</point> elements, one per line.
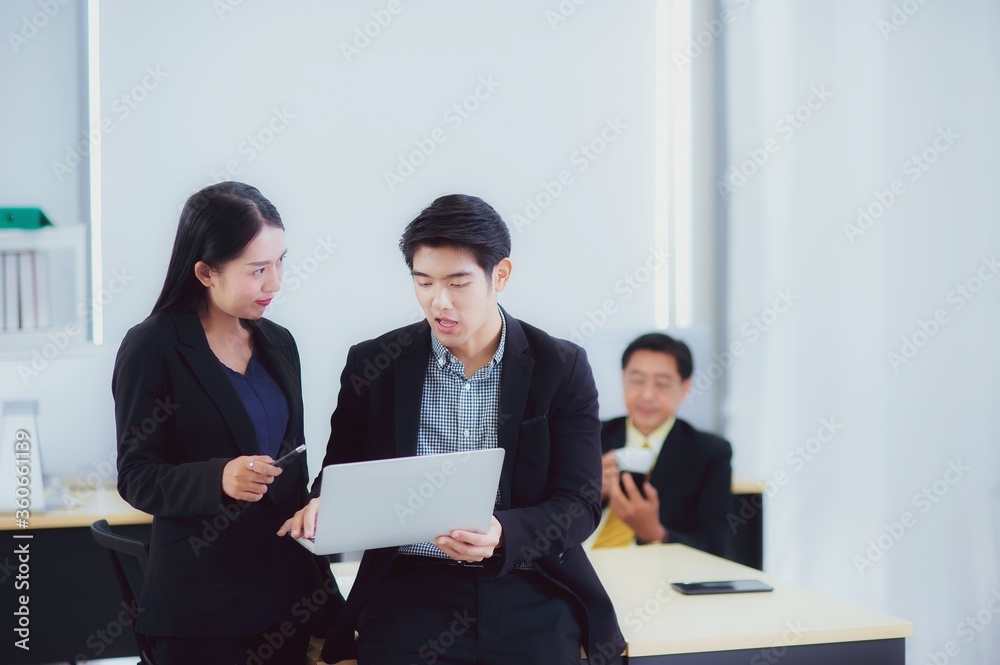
<point>635,439</point>
<point>444,357</point>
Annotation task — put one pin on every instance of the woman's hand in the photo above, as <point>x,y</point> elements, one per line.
<point>302,523</point>
<point>246,478</point>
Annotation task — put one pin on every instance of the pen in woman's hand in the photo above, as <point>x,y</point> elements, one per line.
<point>288,456</point>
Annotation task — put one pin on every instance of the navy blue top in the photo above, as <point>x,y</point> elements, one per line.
<point>265,404</point>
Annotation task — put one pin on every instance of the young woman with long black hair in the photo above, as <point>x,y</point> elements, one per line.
<point>207,395</point>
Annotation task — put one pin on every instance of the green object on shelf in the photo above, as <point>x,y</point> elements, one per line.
<point>23,218</point>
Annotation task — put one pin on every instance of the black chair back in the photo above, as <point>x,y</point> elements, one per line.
<point>129,559</point>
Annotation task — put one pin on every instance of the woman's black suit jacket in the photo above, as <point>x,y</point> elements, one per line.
<point>216,567</point>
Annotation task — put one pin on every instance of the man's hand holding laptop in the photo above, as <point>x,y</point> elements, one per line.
<point>471,546</point>
<point>303,522</point>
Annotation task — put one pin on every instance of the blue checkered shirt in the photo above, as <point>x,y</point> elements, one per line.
<point>457,414</point>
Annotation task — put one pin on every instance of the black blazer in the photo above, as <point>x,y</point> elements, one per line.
<point>550,485</point>
<point>216,566</point>
<point>693,478</point>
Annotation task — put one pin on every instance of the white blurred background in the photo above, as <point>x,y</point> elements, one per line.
<point>818,175</point>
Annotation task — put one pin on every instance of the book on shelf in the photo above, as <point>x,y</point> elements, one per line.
<point>11,292</point>
<point>43,290</point>
<point>25,291</point>
<point>26,282</point>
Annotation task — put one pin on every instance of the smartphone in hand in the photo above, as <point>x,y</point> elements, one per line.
<point>636,462</point>
<point>721,586</point>
<point>638,478</point>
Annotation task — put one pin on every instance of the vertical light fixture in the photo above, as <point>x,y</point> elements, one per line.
<point>672,204</point>
<point>661,166</point>
<point>680,129</point>
<point>94,180</point>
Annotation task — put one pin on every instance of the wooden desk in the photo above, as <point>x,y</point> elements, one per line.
<point>75,602</point>
<point>742,485</point>
<point>662,626</point>
<point>794,624</point>
<point>94,504</point>
<point>745,535</point>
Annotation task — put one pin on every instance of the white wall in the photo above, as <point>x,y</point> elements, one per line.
<point>42,119</point>
<point>44,146</point>
<point>850,520</point>
<point>197,84</point>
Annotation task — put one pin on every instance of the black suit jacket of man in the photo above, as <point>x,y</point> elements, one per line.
<point>216,566</point>
<point>550,482</point>
<point>693,478</point>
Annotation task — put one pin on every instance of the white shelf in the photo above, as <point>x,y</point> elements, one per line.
<point>66,248</point>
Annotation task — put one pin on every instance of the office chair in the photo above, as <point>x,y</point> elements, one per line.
<point>129,561</point>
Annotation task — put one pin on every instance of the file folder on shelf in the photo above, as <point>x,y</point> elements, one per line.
<point>23,218</point>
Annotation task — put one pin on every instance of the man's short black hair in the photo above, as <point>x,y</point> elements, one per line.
<point>661,343</point>
<point>461,221</point>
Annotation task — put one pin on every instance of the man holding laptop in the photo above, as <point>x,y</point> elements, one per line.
<point>472,377</point>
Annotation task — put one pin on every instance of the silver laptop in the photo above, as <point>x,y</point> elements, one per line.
<point>406,500</point>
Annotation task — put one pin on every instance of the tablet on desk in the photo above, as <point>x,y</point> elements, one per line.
<point>406,500</point>
<point>721,586</point>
